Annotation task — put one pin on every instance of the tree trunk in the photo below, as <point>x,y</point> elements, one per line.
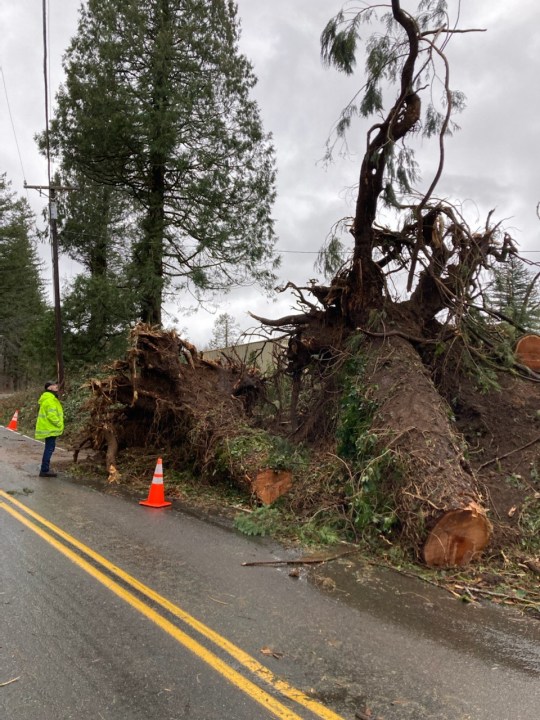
<point>110,457</point>
<point>439,505</point>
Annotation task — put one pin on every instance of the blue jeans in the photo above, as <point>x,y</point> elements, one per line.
<point>50,444</point>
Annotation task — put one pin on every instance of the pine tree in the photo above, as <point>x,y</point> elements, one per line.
<point>226,332</point>
<point>514,294</point>
<point>157,104</point>
<point>22,304</point>
<point>95,231</point>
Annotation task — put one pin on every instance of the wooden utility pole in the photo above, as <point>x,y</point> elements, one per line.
<point>53,218</point>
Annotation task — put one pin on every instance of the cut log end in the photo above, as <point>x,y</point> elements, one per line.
<point>458,537</point>
<point>528,351</point>
<point>269,485</point>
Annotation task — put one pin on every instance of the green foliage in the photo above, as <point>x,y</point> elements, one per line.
<point>356,413</point>
<point>319,532</point>
<point>402,170</point>
<point>513,292</point>
<point>283,455</point>
<point>273,521</point>
<point>38,351</point>
<point>435,120</point>
<point>339,41</point>
<point>386,51</point>
<point>75,401</point>
<point>96,318</point>
<point>265,520</point>
<point>370,509</point>
<point>226,332</point>
<point>487,348</point>
<point>157,106</point>
<point>96,230</point>
<point>22,303</point>
<point>330,257</point>
<point>486,379</point>
<point>254,450</point>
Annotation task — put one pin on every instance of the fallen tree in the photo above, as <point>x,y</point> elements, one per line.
<point>165,395</point>
<point>370,373</point>
<point>431,246</point>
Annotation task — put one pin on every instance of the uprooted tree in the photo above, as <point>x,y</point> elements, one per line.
<point>368,372</point>
<point>427,241</point>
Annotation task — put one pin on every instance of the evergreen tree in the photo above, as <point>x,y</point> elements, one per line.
<point>22,305</point>
<point>98,309</point>
<point>156,103</point>
<point>226,332</point>
<point>514,294</point>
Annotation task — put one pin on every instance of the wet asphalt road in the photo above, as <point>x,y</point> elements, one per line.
<point>77,648</point>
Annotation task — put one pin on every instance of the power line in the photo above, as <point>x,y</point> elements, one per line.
<point>46,81</point>
<point>12,123</point>
<point>48,70</point>
<point>345,252</point>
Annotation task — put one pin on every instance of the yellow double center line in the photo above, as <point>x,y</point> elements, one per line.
<point>246,660</point>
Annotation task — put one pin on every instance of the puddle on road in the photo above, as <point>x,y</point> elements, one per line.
<point>501,636</point>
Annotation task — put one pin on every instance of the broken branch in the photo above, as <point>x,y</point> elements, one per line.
<point>512,452</point>
<point>300,561</point>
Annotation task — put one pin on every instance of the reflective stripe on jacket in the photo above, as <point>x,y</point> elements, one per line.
<point>50,420</point>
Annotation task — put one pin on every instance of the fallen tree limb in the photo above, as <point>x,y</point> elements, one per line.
<point>398,333</point>
<point>293,320</point>
<point>512,452</point>
<point>84,443</point>
<point>502,596</point>
<point>300,561</point>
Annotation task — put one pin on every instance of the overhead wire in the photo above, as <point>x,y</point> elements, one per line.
<point>94,236</point>
<point>49,41</point>
<point>46,80</point>
<point>49,71</point>
<point>13,125</point>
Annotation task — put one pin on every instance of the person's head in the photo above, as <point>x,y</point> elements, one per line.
<point>52,386</point>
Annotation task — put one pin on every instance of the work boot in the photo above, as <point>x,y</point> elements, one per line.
<point>49,473</point>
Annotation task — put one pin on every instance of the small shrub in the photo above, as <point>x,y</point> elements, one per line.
<point>265,520</point>
<point>253,450</point>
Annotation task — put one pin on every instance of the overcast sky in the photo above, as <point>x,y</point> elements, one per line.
<point>492,162</point>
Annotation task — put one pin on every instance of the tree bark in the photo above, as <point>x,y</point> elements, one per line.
<point>439,506</point>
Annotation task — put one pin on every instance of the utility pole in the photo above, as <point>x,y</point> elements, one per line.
<point>53,218</point>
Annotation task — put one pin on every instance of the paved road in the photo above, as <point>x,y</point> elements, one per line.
<point>111,611</point>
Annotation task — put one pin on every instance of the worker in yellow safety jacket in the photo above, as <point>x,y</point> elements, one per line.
<point>49,425</point>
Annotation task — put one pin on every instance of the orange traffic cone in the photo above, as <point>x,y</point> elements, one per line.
<point>156,495</point>
<point>13,424</point>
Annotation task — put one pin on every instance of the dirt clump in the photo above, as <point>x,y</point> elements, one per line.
<point>502,429</point>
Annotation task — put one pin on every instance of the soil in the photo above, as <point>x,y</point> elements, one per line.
<point>502,429</point>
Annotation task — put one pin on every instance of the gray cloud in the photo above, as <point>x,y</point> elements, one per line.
<point>490,163</point>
